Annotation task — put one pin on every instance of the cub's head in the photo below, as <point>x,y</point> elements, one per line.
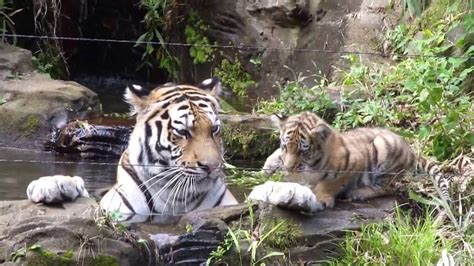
<point>303,140</point>
<point>178,129</point>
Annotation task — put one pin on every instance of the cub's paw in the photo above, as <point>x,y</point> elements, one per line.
<point>56,189</point>
<point>288,195</point>
<point>273,163</point>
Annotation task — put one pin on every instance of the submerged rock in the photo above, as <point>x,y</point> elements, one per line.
<point>245,136</point>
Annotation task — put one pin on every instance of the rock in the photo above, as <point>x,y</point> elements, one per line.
<point>285,13</point>
<point>90,140</point>
<point>301,34</point>
<point>71,233</point>
<point>14,61</point>
<point>74,232</point>
<point>249,136</point>
<point>329,224</point>
<point>320,233</point>
<point>34,105</point>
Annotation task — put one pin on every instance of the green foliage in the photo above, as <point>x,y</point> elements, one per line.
<point>154,22</point>
<point>233,76</point>
<point>201,50</point>
<point>189,228</point>
<point>425,97</point>
<point>397,242</point>
<point>43,256</point>
<point>245,178</point>
<point>7,26</point>
<point>49,62</point>
<point>252,243</point>
<point>284,238</point>
<point>414,7</point>
<point>295,97</point>
<point>112,219</point>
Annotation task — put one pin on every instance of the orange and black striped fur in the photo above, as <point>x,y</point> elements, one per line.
<point>358,164</point>
<point>174,160</point>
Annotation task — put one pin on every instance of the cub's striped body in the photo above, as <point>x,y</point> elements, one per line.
<point>358,164</point>
<point>174,160</point>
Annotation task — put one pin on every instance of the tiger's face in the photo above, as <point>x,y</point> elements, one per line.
<point>177,131</point>
<point>302,140</point>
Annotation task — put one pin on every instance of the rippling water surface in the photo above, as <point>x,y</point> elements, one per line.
<point>23,166</point>
<point>19,167</point>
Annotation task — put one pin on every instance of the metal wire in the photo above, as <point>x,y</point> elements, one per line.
<point>238,47</point>
<point>250,169</point>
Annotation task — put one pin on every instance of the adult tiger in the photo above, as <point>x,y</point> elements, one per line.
<point>358,164</point>
<point>174,160</point>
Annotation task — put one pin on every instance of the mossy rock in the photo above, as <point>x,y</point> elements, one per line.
<point>249,136</point>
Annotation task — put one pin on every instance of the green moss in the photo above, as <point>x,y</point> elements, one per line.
<point>104,260</point>
<point>243,142</point>
<point>30,126</point>
<point>283,238</point>
<point>43,256</point>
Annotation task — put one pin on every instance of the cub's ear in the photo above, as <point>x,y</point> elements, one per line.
<point>135,97</point>
<point>321,132</point>
<point>213,85</point>
<point>278,120</point>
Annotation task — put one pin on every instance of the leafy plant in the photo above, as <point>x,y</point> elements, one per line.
<point>49,62</point>
<point>296,97</point>
<point>201,50</point>
<point>233,76</point>
<point>254,240</point>
<point>154,22</point>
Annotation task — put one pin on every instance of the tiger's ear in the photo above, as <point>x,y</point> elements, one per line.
<point>213,85</point>
<point>134,96</point>
<point>321,132</point>
<point>278,120</point>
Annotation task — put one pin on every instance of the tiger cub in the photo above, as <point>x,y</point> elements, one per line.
<point>359,164</point>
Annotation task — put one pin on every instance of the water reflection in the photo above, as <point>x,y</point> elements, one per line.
<point>15,176</point>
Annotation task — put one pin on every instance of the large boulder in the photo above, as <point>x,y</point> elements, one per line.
<point>32,106</point>
<point>71,234</point>
<point>76,232</point>
<point>301,34</point>
<point>14,61</point>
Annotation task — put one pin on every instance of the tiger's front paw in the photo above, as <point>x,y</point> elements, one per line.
<point>56,189</point>
<point>288,195</point>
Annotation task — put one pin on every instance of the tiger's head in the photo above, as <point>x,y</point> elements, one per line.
<point>177,131</point>
<point>303,140</point>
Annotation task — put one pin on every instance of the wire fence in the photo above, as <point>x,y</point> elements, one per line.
<point>230,168</point>
<point>237,47</point>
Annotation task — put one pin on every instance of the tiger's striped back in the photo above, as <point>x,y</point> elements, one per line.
<point>174,160</point>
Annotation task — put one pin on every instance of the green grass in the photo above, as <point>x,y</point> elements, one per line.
<point>397,242</point>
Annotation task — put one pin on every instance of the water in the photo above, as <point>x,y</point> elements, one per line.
<point>15,176</point>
